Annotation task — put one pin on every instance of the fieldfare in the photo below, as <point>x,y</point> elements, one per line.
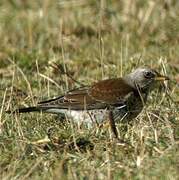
<point>113,99</point>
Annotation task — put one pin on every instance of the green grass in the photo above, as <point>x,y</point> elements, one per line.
<point>91,40</point>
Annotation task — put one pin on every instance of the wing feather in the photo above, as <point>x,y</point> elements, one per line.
<point>77,99</point>
<point>111,92</point>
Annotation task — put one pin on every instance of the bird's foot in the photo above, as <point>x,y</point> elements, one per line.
<point>119,141</point>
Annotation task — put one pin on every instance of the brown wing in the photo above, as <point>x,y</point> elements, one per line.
<point>77,99</point>
<point>98,96</point>
<point>110,91</point>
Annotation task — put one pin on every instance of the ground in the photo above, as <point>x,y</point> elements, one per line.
<point>89,40</point>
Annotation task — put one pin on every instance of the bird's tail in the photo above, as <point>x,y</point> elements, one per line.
<point>28,109</point>
<point>46,109</point>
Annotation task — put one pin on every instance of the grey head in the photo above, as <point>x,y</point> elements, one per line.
<point>144,78</point>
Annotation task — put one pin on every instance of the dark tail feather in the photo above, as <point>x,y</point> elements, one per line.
<point>24,110</point>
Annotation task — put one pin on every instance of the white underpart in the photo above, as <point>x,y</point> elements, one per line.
<point>86,117</point>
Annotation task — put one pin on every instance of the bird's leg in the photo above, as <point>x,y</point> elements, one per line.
<point>112,124</point>
<point>114,129</point>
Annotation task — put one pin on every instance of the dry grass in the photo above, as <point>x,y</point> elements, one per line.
<point>91,41</point>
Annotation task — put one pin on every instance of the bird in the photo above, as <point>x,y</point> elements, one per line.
<point>114,99</point>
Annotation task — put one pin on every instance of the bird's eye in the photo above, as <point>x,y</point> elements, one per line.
<point>149,75</point>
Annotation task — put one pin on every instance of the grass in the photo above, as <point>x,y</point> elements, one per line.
<point>91,40</point>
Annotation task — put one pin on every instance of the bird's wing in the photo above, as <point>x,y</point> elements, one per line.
<point>111,91</point>
<point>77,99</point>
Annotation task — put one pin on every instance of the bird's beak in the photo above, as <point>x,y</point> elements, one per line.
<point>161,78</point>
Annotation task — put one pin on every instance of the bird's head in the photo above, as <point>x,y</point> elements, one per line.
<point>145,78</point>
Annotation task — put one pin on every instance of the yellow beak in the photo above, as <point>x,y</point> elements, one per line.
<point>161,78</point>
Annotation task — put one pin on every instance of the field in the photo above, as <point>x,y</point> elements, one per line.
<point>89,40</point>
